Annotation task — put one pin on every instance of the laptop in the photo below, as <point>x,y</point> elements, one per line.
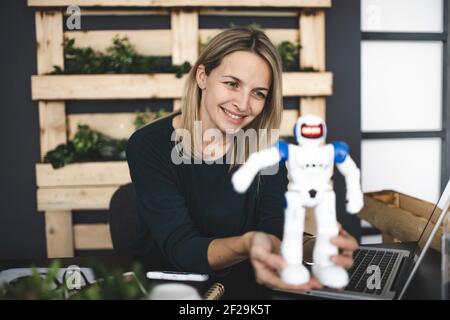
<point>393,268</point>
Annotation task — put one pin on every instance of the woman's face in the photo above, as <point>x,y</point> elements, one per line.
<point>235,92</point>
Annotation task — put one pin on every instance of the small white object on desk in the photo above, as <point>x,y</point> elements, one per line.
<point>177,276</point>
<point>174,291</point>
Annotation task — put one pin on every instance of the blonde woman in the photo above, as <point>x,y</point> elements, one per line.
<point>189,207</point>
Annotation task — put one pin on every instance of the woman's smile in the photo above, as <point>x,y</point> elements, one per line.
<point>234,118</point>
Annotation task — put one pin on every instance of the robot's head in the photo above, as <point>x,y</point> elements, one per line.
<point>310,130</point>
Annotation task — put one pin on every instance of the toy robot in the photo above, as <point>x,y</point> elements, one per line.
<point>310,168</point>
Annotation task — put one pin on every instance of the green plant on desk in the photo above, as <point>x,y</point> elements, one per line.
<point>35,287</point>
<point>110,285</point>
<point>115,285</point>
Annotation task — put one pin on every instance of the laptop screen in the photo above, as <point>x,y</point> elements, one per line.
<point>435,217</point>
<point>431,235</point>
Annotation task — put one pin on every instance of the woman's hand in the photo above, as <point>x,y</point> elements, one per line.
<point>264,255</point>
<point>346,245</point>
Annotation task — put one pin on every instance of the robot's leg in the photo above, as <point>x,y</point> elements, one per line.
<point>324,269</point>
<point>291,247</point>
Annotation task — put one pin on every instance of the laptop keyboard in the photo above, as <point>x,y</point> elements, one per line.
<point>363,258</point>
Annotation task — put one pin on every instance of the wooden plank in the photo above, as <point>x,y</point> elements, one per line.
<point>92,237</point>
<point>176,104</point>
<point>120,125</point>
<point>287,122</point>
<point>185,37</point>
<point>89,174</point>
<point>59,234</point>
<point>115,125</point>
<point>307,83</point>
<point>186,42</point>
<point>314,106</point>
<point>117,86</point>
<point>248,13</point>
<point>312,39</point>
<point>49,37</point>
<point>149,86</point>
<point>209,12</point>
<point>146,42</point>
<point>52,125</point>
<point>87,198</point>
<point>95,12</point>
<point>183,3</point>
<point>275,35</point>
<point>312,54</point>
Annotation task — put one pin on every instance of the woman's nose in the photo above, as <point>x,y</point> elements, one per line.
<point>243,101</point>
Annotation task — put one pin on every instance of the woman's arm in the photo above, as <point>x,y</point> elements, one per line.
<point>225,252</point>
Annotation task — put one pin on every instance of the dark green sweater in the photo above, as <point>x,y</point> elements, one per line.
<point>184,207</point>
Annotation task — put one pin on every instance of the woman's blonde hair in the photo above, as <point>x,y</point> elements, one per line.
<point>226,42</point>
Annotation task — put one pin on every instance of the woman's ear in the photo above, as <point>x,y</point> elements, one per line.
<point>201,76</point>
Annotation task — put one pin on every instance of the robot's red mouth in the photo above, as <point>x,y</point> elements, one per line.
<point>312,132</point>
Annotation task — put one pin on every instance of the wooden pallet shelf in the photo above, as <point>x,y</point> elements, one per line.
<point>90,186</point>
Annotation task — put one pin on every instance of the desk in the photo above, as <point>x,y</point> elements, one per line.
<point>240,284</point>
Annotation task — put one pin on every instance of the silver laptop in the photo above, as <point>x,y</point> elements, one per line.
<point>379,272</point>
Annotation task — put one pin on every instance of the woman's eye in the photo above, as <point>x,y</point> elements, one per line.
<point>259,94</point>
<point>231,84</point>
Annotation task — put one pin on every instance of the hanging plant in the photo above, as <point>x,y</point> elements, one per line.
<point>144,118</point>
<point>91,145</point>
<point>121,57</point>
<point>87,145</point>
<point>288,52</point>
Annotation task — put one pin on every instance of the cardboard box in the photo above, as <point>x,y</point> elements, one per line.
<point>400,218</point>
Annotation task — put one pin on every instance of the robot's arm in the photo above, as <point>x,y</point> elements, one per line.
<point>258,161</point>
<point>348,168</point>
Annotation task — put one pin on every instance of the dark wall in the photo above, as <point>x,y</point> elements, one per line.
<point>22,229</point>
<point>344,106</point>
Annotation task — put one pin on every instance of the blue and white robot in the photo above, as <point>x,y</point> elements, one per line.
<point>310,167</point>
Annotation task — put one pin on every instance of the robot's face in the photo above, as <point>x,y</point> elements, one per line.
<point>310,130</point>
